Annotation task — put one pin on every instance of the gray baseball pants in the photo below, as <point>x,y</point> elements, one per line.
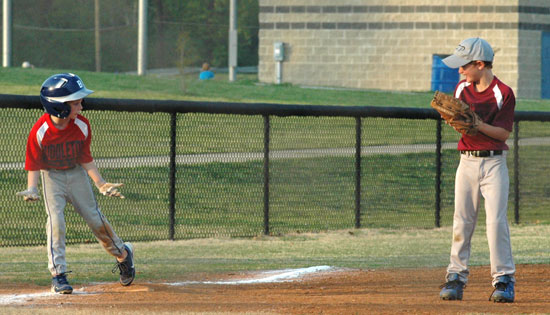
<point>73,186</point>
<point>485,177</point>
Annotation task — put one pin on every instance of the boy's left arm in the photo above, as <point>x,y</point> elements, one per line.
<point>107,189</point>
<point>494,132</point>
<point>502,124</point>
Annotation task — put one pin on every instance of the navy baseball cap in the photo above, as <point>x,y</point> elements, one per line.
<point>469,50</point>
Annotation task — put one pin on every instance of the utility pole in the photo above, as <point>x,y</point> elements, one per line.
<point>6,33</point>
<point>142,38</point>
<point>232,64</point>
<point>97,37</point>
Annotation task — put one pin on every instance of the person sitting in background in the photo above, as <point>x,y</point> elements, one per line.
<point>206,73</point>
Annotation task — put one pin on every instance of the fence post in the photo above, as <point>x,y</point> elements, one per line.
<point>438,175</point>
<point>516,172</point>
<point>357,172</point>
<point>172,197</point>
<point>266,174</point>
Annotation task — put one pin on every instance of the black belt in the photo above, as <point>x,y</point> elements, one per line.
<point>482,153</point>
<point>61,169</point>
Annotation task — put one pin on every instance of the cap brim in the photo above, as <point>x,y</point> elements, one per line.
<point>454,61</point>
<point>73,97</point>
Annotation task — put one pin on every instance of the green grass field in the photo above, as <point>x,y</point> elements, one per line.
<point>243,133</point>
<point>224,199</point>
<point>245,89</point>
<point>366,249</point>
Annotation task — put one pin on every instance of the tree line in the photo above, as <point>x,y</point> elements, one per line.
<point>60,33</point>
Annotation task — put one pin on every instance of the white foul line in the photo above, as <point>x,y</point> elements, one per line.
<point>8,299</point>
<point>275,276</point>
<point>270,277</point>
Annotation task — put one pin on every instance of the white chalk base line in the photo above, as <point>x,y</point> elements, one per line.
<point>264,277</point>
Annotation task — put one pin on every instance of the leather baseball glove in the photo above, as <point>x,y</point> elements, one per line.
<point>456,113</point>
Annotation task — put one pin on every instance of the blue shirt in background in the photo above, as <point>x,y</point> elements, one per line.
<point>206,75</point>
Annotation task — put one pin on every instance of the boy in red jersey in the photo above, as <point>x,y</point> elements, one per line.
<point>58,152</point>
<point>482,171</point>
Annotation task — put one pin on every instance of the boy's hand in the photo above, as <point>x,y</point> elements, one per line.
<point>30,194</point>
<point>109,189</point>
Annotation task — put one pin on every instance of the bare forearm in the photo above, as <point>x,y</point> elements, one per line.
<point>108,189</point>
<point>32,178</point>
<point>94,174</point>
<point>494,132</point>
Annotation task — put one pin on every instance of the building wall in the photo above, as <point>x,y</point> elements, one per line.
<point>535,19</point>
<point>389,44</point>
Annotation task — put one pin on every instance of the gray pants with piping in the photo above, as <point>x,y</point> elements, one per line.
<point>73,186</point>
<point>478,177</point>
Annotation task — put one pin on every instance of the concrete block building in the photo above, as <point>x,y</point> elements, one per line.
<point>394,44</point>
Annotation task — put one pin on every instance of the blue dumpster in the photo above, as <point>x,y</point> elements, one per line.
<point>444,79</point>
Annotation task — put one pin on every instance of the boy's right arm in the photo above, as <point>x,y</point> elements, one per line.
<point>31,194</point>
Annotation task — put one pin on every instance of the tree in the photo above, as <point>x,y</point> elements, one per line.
<point>60,33</point>
<point>203,25</point>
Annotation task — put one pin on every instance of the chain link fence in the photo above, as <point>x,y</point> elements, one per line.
<point>197,170</point>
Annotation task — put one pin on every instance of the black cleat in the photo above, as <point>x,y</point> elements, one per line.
<point>126,268</point>
<point>61,285</point>
<point>504,290</point>
<point>452,289</point>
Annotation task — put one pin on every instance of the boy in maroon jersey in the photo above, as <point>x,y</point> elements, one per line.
<point>58,152</point>
<point>482,171</point>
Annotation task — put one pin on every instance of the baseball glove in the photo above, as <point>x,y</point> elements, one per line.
<point>456,113</point>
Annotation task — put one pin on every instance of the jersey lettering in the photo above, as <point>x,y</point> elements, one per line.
<point>63,154</point>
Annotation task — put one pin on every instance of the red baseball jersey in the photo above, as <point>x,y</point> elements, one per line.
<point>495,106</point>
<point>49,147</point>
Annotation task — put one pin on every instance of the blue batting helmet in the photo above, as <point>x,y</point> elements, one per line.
<point>59,89</point>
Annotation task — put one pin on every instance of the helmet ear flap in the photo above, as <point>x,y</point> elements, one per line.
<point>62,109</point>
<point>57,109</point>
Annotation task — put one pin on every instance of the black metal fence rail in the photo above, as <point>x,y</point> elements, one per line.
<point>267,111</point>
<point>168,106</point>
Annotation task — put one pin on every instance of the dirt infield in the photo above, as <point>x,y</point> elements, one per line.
<point>332,291</point>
